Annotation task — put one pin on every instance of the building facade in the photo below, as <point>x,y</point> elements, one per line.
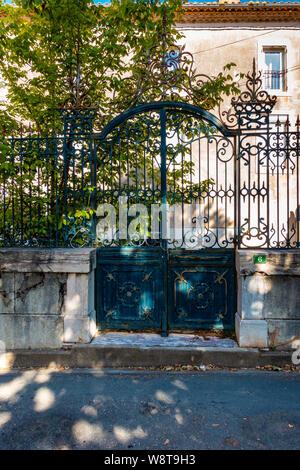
<point>221,33</point>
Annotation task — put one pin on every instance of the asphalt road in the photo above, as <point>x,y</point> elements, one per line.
<point>149,410</point>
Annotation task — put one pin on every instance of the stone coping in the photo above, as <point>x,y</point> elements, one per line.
<point>83,260</point>
<point>52,260</point>
<point>279,262</point>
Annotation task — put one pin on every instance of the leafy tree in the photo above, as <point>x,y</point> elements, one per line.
<point>72,53</point>
<point>47,46</point>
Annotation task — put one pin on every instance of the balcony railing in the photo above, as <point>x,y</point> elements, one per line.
<point>274,79</point>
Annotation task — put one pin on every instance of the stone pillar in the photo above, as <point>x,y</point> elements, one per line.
<point>46,297</point>
<point>268,306</point>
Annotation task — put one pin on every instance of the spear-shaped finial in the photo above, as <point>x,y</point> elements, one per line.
<point>287,122</point>
<point>278,123</point>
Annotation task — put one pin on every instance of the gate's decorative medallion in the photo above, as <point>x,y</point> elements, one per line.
<point>129,294</point>
<point>202,295</point>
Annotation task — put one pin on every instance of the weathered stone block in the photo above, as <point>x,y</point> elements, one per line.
<point>251,333</point>
<point>39,293</point>
<point>282,297</point>
<point>265,297</point>
<point>91,294</point>
<point>77,293</point>
<point>251,296</point>
<point>31,331</point>
<point>7,284</point>
<point>79,330</point>
<point>79,308</point>
<point>55,260</point>
<point>283,332</point>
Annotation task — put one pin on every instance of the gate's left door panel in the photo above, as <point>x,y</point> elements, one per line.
<point>129,290</point>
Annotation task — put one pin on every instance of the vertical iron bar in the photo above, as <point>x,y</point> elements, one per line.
<point>238,189</point>
<point>236,193</point>
<point>56,187</point>
<point>30,170</point>
<point>94,186</point>
<point>268,181</point>
<point>217,195</point>
<point>297,177</point>
<point>163,241</point>
<point>277,184</point>
<point>21,193</point>
<point>13,199</point>
<point>287,156</point>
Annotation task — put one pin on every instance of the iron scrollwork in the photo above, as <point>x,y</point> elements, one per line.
<point>253,106</point>
<point>165,73</point>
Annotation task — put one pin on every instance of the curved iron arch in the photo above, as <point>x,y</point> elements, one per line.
<point>185,108</point>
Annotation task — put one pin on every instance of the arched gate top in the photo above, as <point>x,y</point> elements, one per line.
<point>184,108</point>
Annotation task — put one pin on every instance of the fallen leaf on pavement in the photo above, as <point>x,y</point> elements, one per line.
<point>231,441</point>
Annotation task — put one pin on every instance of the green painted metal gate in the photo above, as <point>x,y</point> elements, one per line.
<point>135,290</point>
<point>166,225</point>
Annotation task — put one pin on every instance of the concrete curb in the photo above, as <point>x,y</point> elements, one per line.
<point>110,357</point>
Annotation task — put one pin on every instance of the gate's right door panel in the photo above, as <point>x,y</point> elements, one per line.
<point>201,289</point>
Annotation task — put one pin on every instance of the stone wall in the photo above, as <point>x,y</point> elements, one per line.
<point>46,297</point>
<point>268,304</point>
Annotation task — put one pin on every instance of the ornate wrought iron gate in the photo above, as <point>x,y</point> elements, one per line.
<point>171,166</point>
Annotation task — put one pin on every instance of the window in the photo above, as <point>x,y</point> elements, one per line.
<point>274,69</point>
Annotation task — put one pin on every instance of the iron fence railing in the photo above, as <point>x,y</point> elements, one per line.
<point>269,185</point>
<point>247,186</point>
<point>240,177</point>
<point>45,184</point>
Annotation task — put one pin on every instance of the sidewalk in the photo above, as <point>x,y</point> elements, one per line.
<point>123,350</point>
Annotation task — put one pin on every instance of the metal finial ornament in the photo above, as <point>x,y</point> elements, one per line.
<point>78,98</point>
<point>170,76</point>
<point>77,112</point>
<point>164,72</point>
<point>254,105</point>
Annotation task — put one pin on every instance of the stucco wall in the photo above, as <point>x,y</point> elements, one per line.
<point>215,45</point>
